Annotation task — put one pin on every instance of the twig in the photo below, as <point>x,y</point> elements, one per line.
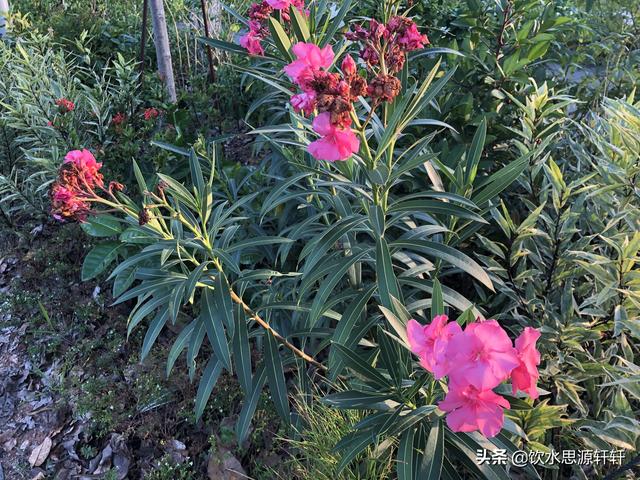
<point>505,21</point>
<point>256,318</point>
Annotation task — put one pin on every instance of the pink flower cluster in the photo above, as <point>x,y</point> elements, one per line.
<point>259,14</point>
<point>151,113</point>
<point>476,361</point>
<point>78,178</point>
<point>118,119</point>
<point>65,105</point>
<point>331,94</point>
<point>386,45</point>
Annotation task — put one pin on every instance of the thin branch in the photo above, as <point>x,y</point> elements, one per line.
<point>256,318</point>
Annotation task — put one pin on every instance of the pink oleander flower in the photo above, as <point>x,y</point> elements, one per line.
<point>309,57</point>
<point>86,165</point>
<point>407,35</point>
<point>525,376</point>
<point>151,113</point>
<point>470,409</point>
<point>65,105</point>
<point>67,204</point>
<point>336,143</point>
<point>251,42</point>
<point>483,355</point>
<point>118,119</point>
<point>430,342</point>
<point>279,4</point>
<point>304,102</point>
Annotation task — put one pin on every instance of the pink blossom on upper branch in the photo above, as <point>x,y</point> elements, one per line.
<point>470,409</point>
<point>309,59</point>
<point>259,14</point>
<point>86,165</point>
<point>389,43</point>
<point>118,119</point>
<point>525,376</point>
<point>78,178</point>
<point>336,143</point>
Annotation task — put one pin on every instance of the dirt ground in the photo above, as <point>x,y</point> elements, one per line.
<point>76,403</point>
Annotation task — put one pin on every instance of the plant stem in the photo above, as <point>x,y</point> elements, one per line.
<point>256,318</point>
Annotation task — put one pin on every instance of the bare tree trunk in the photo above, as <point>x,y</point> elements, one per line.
<point>143,36</point>
<point>4,10</point>
<point>205,18</point>
<point>163,52</point>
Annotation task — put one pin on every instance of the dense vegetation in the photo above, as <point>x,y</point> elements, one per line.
<point>394,235</point>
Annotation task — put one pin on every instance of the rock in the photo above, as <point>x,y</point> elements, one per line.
<point>223,465</point>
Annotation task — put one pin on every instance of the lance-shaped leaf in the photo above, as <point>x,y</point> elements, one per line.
<point>209,379</point>
<point>448,254</point>
<point>387,281</point>
<point>275,375</point>
<point>214,325</point>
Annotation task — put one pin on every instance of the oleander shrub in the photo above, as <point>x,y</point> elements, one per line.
<point>445,289</point>
<point>321,263</point>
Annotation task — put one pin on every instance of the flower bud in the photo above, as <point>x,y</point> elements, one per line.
<point>349,66</point>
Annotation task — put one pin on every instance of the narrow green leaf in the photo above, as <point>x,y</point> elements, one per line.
<point>354,399</point>
<point>353,361</point>
<point>222,298</point>
<point>475,152</point>
<point>179,345</point>
<point>407,457</point>
<point>242,354</point>
<point>98,259</point>
<point>280,38</point>
<point>213,323</point>
<point>275,375</point>
<point>208,380</point>
<point>448,254</point>
<point>102,226</point>
<point>123,281</point>
<point>142,185</point>
<point>250,404</point>
<point>299,24</point>
<point>153,331</point>
<point>342,334</point>
<point>433,456</point>
<point>386,278</point>
<point>437,301</point>
<point>222,45</point>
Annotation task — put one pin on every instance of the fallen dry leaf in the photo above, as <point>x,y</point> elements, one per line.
<point>40,453</point>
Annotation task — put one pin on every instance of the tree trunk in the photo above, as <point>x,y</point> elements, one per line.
<point>163,52</point>
<point>207,28</point>
<point>143,36</point>
<point>4,10</point>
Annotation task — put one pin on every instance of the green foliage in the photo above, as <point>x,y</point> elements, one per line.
<point>566,263</point>
<point>497,185</point>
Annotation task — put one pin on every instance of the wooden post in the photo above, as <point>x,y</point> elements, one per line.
<point>163,51</point>
<point>205,18</point>
<point>143,35</point>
